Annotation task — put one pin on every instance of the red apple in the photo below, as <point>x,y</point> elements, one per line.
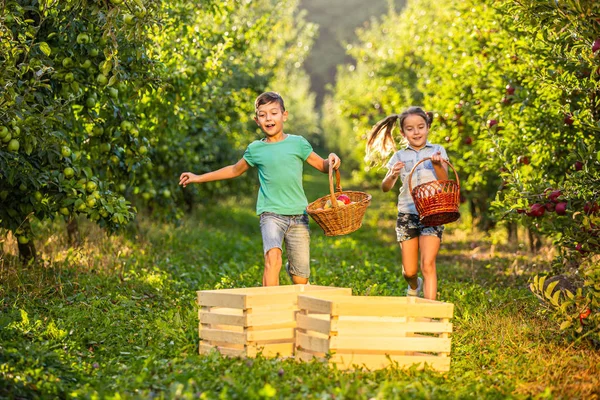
<point>578,165</point>
<point>561,208</point>
<point>584,314</point>
<point>554,195</point>
<point>536,210</point>
<point>596,45</point>
<point>523,160</point>
<point>510,90</point>
<point>344,199</point>
<point>568,120</point>
<point>492,122</point>
<point>550,206</point>
<point>468,140</point>
<point>505,100</point>
<point>590,208</point>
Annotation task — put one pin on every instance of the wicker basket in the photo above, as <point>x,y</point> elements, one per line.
<point>339,220</point>
<point>436,201</point>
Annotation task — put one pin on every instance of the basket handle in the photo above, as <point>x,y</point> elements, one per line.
<point>338,185</point>
<point>414,168</point>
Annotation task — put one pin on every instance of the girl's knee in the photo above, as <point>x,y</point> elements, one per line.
<point>428,267</point>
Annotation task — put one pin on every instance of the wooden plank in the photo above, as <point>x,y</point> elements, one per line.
<point>222,299</point>
<point>359,328</point>
<point>308,356</point>
<point>222,319</point>
<point>270,334</point>
<point>272,299</point>
<point>218,335</point>
<point>329,291</point>
<point>315,304</point>
<point>312,343</point>
<point>347,361</point>
<point>360,343</point>
<point>314,323</point>
<point>231,352</point>
<point>376,306</point>
<point>259,319</point>
<point>271,350</point>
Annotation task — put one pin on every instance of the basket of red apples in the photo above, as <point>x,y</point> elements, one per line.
<point>341,211</point>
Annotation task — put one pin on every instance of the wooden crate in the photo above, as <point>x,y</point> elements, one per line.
<point>245,321</point>
<point>374,332</point>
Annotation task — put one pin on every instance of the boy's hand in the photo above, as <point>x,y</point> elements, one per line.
<point>396,168</point>
<point>334,160</point>
<point>437,158</point>
<point>187,177</point>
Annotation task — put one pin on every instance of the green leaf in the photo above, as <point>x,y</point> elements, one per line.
<point>565,325</point>
<point>45,48</point>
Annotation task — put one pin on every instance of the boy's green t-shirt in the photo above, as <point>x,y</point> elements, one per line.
<point>280,167</point>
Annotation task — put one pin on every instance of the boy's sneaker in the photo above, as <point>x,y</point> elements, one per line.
<point>410,292</point>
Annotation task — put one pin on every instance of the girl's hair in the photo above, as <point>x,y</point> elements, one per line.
<point>381,145</point>
<point>269,97</point>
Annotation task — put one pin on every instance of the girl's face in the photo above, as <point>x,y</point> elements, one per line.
<point>270,118</point>
<point>415,130</point>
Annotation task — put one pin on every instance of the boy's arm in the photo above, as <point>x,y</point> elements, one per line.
<point>322,164</point>
<point>228,172</point>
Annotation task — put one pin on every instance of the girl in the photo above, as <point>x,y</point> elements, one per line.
<point>412,236</point>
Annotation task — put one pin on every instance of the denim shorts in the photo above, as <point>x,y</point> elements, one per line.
<point>293,229</point>
<point>409,226</point>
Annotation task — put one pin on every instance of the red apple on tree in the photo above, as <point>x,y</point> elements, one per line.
<point>492,122</point>
<point>578,165</point>
<point>561,208</point>
<point>554,195</point>
<point>468,140</point>
<point>536,210</point>
<point>568,120</point>
<point>596,45</point>
<point>510,90</point>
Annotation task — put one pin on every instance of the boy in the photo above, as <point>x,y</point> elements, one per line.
<point>281,203</point>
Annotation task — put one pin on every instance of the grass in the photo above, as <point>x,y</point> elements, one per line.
<point>117,318</point>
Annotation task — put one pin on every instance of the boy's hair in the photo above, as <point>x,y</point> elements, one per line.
<point>269,97</point>
<point>379,146</point>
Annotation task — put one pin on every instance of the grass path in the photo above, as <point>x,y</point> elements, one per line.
<point>117,318</point>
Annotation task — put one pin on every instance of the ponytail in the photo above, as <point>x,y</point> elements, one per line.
<point>380,141</point>
<point>380,145</point>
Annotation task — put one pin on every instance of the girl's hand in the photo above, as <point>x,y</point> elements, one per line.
<point>334,160</point>
<point>437,158</point>
<point>396,168</point>
<point>186,178</point>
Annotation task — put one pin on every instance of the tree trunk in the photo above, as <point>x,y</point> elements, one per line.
<point>513,233</point>
<point>27,252</point>
<point>535,241</point>
<point>73,233</point>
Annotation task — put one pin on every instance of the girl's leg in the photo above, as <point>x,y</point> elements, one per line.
<point>430,245</point>
<point>410,261</point>
<point>272,267</point>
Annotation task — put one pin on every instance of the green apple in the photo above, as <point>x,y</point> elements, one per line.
<point>64,211</point>
<point>13,145</point>
<point>69,172</point>
<point>102,79</point>
<point>91,186</point>
<point>83,38</point>
<point>65,151</point>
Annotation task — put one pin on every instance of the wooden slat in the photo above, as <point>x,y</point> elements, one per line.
<point>312,343</point>
<point>258,319</point>
<point>308,356</point>
<point>222,299</point>
<point>315,304</point>
<point>374,306</point>
<point>205,348</point>
<point>359,328</point>
<point>222,319</point>
<point>378,361</point>
<point>391,344</point>
<point>218,335</point>
<point>272,299</point>
<point>270,334</point>
<point>271,350</point>
<point>313,323</point>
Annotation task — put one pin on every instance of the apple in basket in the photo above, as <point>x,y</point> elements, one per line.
<point>344,198</point>
<point>328,204</point>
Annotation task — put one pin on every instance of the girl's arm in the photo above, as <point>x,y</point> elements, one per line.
<point>391,177</point>
<point>228,172</point>
<point>322,164</point>
<point>440,167</point>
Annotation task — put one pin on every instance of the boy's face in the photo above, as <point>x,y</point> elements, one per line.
<point>270,118</point>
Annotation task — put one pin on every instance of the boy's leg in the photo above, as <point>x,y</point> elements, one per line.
<point>272,228</point>
<point>297,247</point>
<point>273,261</point>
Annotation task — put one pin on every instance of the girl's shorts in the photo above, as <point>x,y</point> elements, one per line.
<point>409,226</point>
